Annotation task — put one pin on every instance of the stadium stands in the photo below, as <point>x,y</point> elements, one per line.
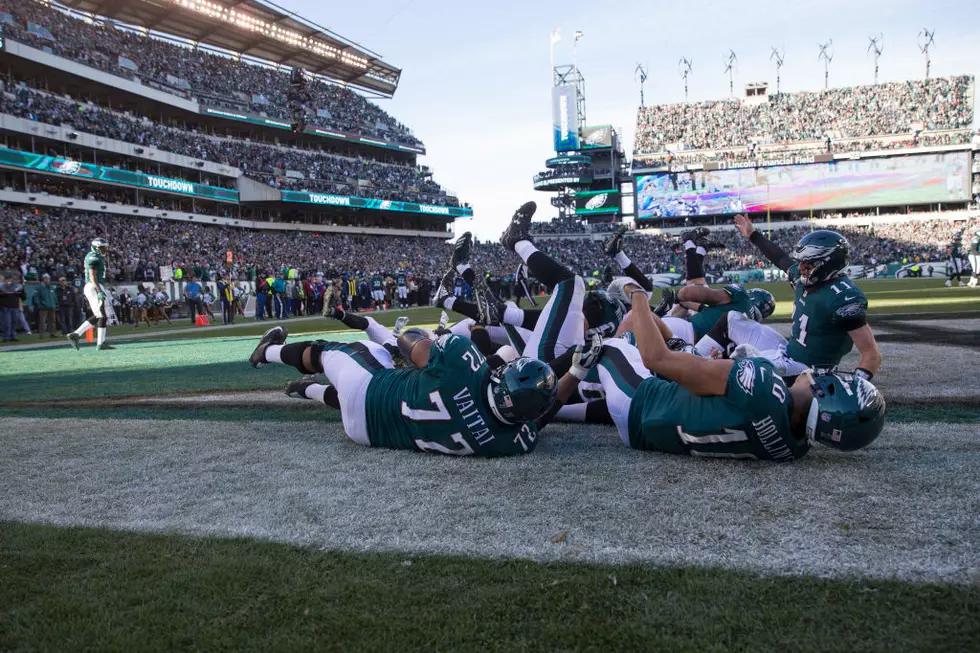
<point>209,77</point>
<point>884,116</point>
<point>35,241</point>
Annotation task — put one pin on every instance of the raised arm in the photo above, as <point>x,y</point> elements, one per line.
<point>768,248</point>
<point>698,375</point>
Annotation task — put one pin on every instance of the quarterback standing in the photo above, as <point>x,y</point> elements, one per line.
<point>95,295</point>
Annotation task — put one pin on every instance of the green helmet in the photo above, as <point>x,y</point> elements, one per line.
<point>847,412</point>
<point>603,312</point>
<point>100,245</point>
<point>763,301</point>
<point>522,390</point>
<point>826,250</point>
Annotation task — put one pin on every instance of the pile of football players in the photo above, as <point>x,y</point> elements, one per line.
<point>699,373</point>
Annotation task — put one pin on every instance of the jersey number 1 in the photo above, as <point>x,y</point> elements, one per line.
<point>440,414</point>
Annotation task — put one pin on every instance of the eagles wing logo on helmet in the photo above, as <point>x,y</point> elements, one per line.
<point>866,392</point>
<point>597,202</point>
<point>812,252</point>
<point>746,376</point>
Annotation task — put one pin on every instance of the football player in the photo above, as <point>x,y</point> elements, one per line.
<point>726,408</point>
<point>95,295</point>
<point>953,263</point>
<point>829,311</point>
<point>973,255</point>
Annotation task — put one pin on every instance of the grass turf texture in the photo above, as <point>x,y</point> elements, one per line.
<point>75,589</point>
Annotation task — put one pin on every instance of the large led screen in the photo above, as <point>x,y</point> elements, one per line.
<point>880,181</point>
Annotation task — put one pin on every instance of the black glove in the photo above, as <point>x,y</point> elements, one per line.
<point>667,299</point>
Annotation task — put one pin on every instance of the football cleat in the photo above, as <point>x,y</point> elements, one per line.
<point>698,235</point>
<point>104,346</point>
<point>297,388</point>
<point>520,226</point>
<point>667,299</point>
<point>461,250</point>
<point>615,243</point>
<point>274,336</point>
<point>73,339</point>
<point>400,324</point>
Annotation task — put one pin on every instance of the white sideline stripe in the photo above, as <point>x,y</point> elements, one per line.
<point>905,508</point>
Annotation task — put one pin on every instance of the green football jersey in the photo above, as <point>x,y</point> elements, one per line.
<point>95,260</point>
<point>751,420</point>
<point>443,407</point>
<point>703,320</point>
<point>377,283</point>
<point>822,317</point>
<point>953,251</point>
<point>974,246</point>
<point>400,280</point>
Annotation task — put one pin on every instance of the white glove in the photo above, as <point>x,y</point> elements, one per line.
<point>617,290</point>
<point>586,356</point>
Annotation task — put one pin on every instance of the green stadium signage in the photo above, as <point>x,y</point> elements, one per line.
<point>70,167</point>
<point>324,199</point>
<point>315,131</point>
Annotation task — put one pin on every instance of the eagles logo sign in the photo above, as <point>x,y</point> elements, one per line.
<point>596,202</point>
<point>69,167</point>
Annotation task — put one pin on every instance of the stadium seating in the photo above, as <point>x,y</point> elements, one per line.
<point>853,118</point>
<point>39,240</point>
<point>321,172</point>
<point>211,78</point>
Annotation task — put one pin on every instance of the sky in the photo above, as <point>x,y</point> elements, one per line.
<point>476,76</point>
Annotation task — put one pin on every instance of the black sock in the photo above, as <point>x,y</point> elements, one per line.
<point>466,308</point>
<point>563,363</point>
<point>637,275</point>
<point>469,276</point>
<point>330,397</point>
<point>531,316</point>
<point>597,412</point>
<point>355,321</point>
<point>719,332</point>
<point>292,354</point>
<point>694,263</point>
<point>547,270</point>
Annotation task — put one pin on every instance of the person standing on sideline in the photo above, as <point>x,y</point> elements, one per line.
<point>227,301</point>
<point>66,306</point>
<point>279,296</point>
<point>192,294</point>
<point>9,300</point>
<point>45,301</point>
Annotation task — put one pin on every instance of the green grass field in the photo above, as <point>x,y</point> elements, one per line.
<point>221,516</point>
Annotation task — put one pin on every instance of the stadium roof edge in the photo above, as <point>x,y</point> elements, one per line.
<point>270,33</point>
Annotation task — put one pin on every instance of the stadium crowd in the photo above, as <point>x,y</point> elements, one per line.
<point>321,172</point>
<point>209,77</point>
<point>36,241</point>
<point>937,104</point>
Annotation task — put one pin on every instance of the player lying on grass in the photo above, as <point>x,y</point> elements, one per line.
<point>829,311</point>
<point>725,408</point>
<point>708,303</point>
<point>453,401</point>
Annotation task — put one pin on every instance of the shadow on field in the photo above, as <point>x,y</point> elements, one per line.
<point>48,387</point>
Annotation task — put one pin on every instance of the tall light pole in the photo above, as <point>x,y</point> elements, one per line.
<point>685,67</point>
<point>926,41</point>
<point>731,63</point>
<point>777,56</point>
<point>876,46</point>
<point>640,74</point>
<point>826,55</point>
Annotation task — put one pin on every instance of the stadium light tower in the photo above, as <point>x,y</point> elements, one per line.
<point>876,46</point>
<point>685,66</point>
<point>777,56</point>
<point>926,41</point>
<point>640,74</point>
<point>826,55</point>
<point>730,65</point>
